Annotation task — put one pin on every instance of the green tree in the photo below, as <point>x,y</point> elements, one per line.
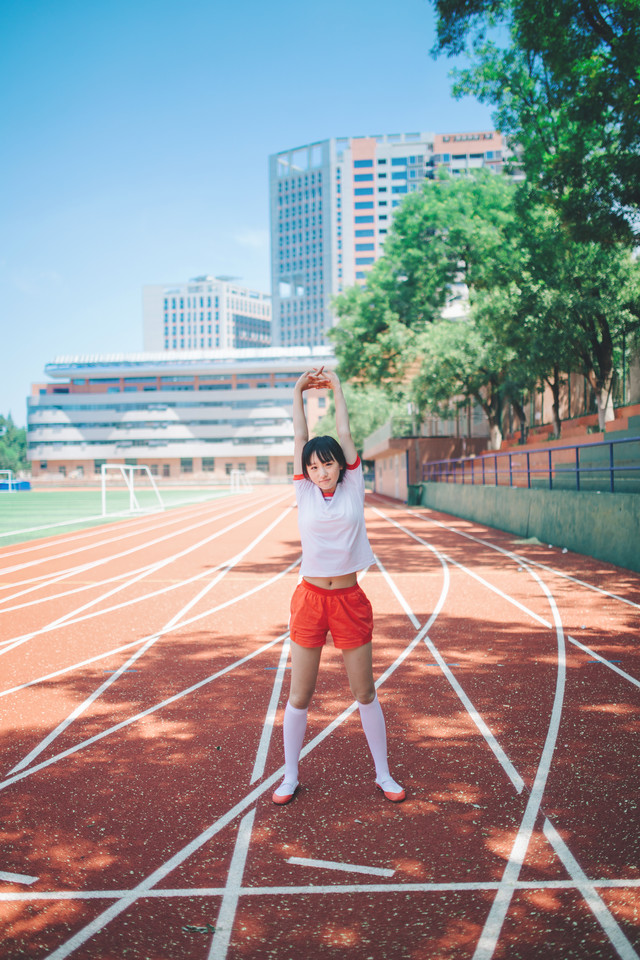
<point>566,87</point>
<point>567,305</point>
<point>13,446</point>
<point>369,408</point>
<point>449,238</point>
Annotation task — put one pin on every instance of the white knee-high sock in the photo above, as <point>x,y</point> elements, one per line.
<point>293,730</point>
<point>375,731</point>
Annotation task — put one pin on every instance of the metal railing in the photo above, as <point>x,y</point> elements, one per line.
<point>537,466</point>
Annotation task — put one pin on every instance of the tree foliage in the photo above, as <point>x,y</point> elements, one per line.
<point>13,445</point>
<point>541,303</point>
<point>566,88</point>
<point>369,408</point>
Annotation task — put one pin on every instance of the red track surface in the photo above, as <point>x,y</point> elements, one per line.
<point>143,682</point>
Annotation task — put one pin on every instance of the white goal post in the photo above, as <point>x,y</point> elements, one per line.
<point>6,476</point>
<point>128,474</point>
<point>240,482</point>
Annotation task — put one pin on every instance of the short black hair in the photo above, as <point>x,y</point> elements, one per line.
<point>325,449</point>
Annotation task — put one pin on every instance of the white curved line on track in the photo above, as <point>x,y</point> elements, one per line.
<point>176,619</point>
<point>502,901</point>
<point>475,716</point>
<point>595,902</point>
<point>495,920</point>
<point>141,890</point>
<point>522,559</point>
<point>70,618</point>
<point>91,584</point>
<point>516,603</point>
<point>45,580</point>
<point>42,543</point>
<point>119,514</point>
<point>171,521</point>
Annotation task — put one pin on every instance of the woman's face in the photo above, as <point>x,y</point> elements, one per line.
<point>324,475</point>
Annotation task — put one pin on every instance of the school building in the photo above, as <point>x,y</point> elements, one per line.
<point>195,414</point>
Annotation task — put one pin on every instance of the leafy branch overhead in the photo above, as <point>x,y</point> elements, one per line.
<point>483,293</point>
<point>564,77</point>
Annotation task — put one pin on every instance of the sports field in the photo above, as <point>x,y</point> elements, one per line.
<point>144,676</point>
<point>33,514</point>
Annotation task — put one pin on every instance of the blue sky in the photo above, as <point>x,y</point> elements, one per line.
<point>135,142</point>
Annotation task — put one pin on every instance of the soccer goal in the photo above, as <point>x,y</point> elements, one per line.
<point>134,478</point>
<point>240,482</point>
<point>6,476</point>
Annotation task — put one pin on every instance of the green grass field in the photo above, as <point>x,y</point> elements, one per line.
<point>32,514</point>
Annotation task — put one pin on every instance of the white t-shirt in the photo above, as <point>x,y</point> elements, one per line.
<point>332,529</point>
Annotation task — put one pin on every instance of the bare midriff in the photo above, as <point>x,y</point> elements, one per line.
<point>333,583</point>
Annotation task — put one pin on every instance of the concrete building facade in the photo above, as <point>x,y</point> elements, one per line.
<point>186,414</point>
<point>205,313</point>
<point>332,203</point>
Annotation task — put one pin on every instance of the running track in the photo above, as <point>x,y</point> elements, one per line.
<point>143,679</point>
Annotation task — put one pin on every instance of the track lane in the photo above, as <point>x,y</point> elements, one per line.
<point>447,749</point>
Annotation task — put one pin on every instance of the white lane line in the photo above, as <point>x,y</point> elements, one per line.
<point>495,747</point>
<point>141,890</point>
<point>512,600</point>
<point>401,600</point>
<point>494,922</point>
<point>344,867</point>
<point>597,906</point>
<point>267,729</point>
<point>137,643</point>
<point>509,883</point>
<point>46,579</point>
<point>17,877</point>
<point>171,521</point>
<point>42,544</point>
<point>181,517</point>
<point>523,559</point>
<point>338,889</point>
<point>490,739</point>
<point>175,620</point>
<point>607,663</point>
<point>70,618</point>
<point>229,905</point>
<point>138,716</point>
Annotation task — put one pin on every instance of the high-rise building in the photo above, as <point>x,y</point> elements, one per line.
<point>332,203</point>
<point>207,312</point>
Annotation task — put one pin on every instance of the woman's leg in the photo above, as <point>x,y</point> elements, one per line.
<point>305,662</point>
<point>359,667</point>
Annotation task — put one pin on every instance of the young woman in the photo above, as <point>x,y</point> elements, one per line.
<point>330,493</point>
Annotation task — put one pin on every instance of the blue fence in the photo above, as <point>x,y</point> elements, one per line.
<point>607,465</point>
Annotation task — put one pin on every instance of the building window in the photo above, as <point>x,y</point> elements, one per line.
<point>364,205</point>
<point>208,464</point>
<point>365,246</point>
<point>363,163</point>
<point>262,464</point>
<point>364,220</point>
<point>364,261</point>
<point>186,465</point>
<point>43,464</point>
<point>365,233</point>
<point>166,470</point>
<point>360,177</point>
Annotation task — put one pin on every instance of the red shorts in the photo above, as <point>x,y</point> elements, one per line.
<point>346,612</point>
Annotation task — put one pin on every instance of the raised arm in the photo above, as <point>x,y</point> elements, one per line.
<point>308,381</point>
<point>342,417</point>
